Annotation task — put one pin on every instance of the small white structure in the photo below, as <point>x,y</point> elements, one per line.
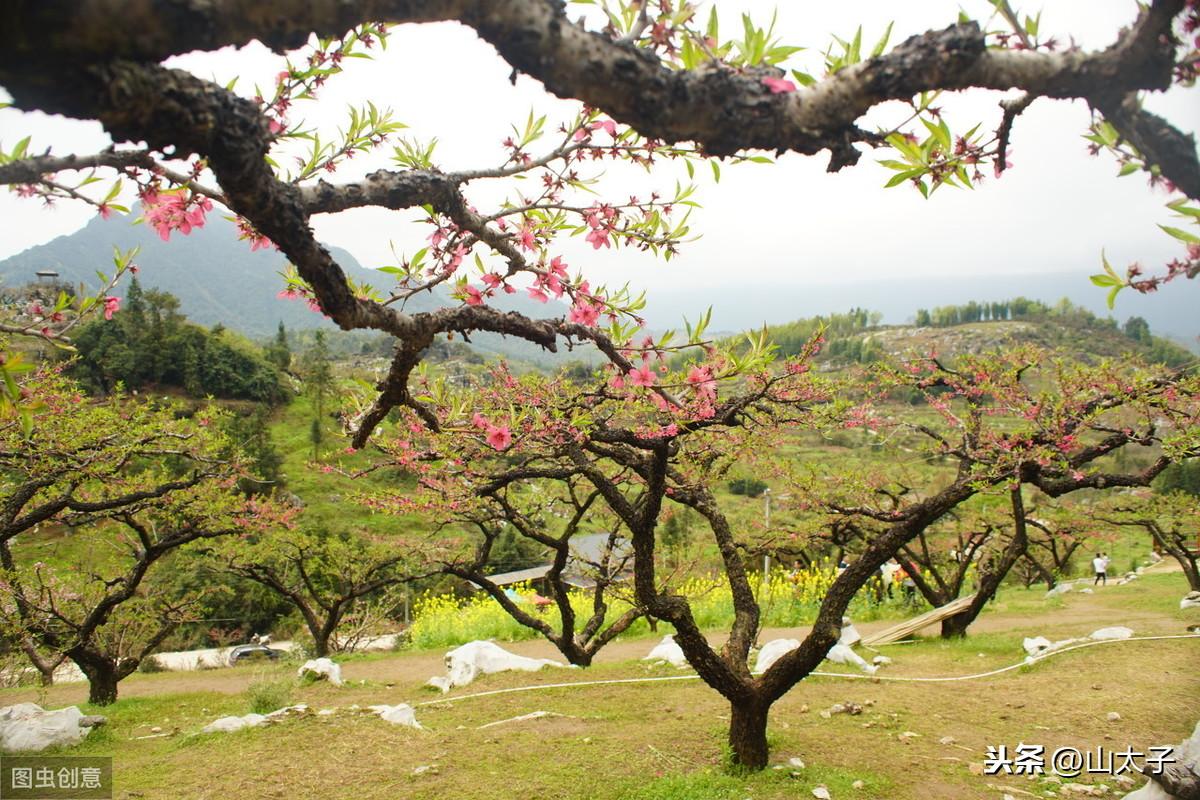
<point>841,654</point>
<point>1040,645</point>
<point>322,669</point>
<point>1108,634</point>
<point>465,663</point>
<point>402,714</point>
<point>850,635</point>
<point>28,728</point>
<point>772,651</point>
<point>667,650</point>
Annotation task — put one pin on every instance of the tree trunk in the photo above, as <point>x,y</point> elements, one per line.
<point>102,688</point>
<point>102,675</point>
<point>991,578</point>
<point>748,735</point>
<point>956,627</point>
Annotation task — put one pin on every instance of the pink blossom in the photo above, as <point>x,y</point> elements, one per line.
<point>492,280</point>
<point>642,376</point>
<point>479,421</point>
<point>526,239</point>
<point>617,381</point>
<point>105,211</point>
<point>598,238</point>
<point>779,85</point>
<point>499,437</point>
<point>585,312</point>
<point>111,306</point>
<point>474,296</point>
<point>702,382</point>
<point>536,293</point>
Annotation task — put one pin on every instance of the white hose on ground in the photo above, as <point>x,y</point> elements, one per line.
<point>853,676</point>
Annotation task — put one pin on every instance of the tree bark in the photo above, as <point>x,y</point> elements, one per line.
<point>102,677</point>
<point>748,734</point>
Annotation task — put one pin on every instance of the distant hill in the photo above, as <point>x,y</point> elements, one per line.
<point>218,280</point>
<point>858,337</point>
<point>1171,311</point>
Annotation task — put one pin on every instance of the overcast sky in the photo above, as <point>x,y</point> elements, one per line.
<point>787,224</point>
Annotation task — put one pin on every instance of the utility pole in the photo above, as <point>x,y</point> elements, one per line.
<point>766,527</point>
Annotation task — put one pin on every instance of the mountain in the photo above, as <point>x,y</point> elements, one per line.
<point>218,280</point>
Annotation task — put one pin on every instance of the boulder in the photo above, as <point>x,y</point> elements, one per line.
<point>1190,600</point>
<point>322,669</point>
<point>772,651</point>
<point>465,663</point>
<point>28,728</point>
<point>667,650</point>
<point>231,724</point>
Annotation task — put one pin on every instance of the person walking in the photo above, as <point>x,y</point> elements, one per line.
<point>1100,566</point>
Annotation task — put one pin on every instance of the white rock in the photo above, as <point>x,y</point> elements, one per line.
<point>821,793</point>
<point>28,728</point>
<point>859,785</point>
<point>841,654</point>
<point>1113,716</point>
<point>1115,632</point>
<point>465,663</point>
<point>1059,588</point>
<point>772,651</point>
<point>881,661</point>
<point>1191,600</point>
<point>402,714</point>
<point>667,650</point>
<point>796,763</point>
<point>1086,590</point>
<point>231,724</point>
<point>326,712</point>
<point>947,740</point>
<point>322,669</point>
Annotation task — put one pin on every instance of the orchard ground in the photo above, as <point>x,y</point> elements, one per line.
<point>665,739</point>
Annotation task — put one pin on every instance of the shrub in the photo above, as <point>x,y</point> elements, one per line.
<point>265,695</point>
<point>750,487</point>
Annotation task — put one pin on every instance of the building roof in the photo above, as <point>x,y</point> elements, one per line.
<point>585,551</point>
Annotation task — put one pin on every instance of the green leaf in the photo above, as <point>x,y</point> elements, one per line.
<point>1183,236</point>
<point>881,45</point>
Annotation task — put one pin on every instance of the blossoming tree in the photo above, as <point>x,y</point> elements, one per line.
<point>1002,422</point>
<point>655,83</point>
<point>127,483</point>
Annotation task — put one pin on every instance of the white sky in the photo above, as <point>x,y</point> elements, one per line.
<point>787,224</point>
